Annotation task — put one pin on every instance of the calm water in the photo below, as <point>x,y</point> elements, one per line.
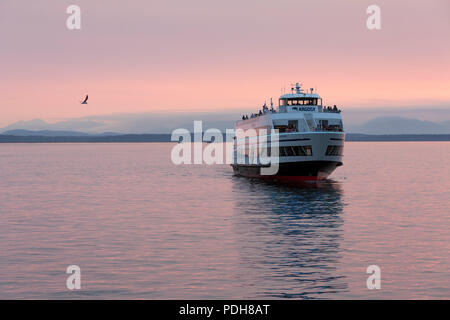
<point>140,227</point>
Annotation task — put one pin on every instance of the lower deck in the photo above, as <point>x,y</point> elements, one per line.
<point>305,170</point>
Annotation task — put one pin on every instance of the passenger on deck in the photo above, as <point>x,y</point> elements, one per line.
<point>335,109</point>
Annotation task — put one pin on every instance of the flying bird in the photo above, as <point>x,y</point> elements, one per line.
<point>85,100</point>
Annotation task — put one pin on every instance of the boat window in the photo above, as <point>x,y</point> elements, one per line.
<point>295,151</point>
<point>307,150</point>
<point>281,128</point>
<point>325,125</point>
<point>334,151</point>
<point>293,125</point>
<point>298,102</point>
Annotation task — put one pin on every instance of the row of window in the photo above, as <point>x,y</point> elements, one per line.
<point>334,151</point>
<point>300,151</point>
<point>295,151</point>
<point>296,102</point>
<point>290,151</point>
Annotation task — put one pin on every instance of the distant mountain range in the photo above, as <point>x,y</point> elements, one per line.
<point>158,123</point>
<point>54,133</point>
<point>49,136</point>
<point>165,137</point>
<point>86,138</point>
<point>139,123</point>
<point>40,125</point>
<point>400,125</point>
<point>43,133</point>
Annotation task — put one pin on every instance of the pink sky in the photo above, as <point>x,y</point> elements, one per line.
<point>143,56</point>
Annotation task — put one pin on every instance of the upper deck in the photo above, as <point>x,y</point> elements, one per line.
<point>297,112</point>
<point>298,100</point>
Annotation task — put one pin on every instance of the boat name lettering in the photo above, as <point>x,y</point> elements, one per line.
<point>306,109</point>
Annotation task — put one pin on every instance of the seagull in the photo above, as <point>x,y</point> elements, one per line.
<point>85,100</point>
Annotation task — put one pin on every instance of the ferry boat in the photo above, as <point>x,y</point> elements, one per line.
<point>310,138</point>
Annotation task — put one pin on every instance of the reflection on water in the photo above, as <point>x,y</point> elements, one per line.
<point>289,237</point>
<point>141,227</point>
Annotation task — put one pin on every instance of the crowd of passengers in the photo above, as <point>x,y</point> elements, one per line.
<point>265,110</point>
<point>330,109</point>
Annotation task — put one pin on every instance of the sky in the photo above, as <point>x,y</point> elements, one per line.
<point>177,56</point>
